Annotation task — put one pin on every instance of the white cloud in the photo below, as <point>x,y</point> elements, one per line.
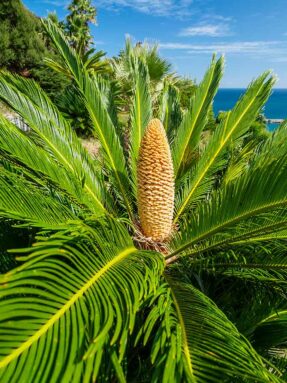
<point>56,3</point>
<point>99,42</point>
<point>211,30</point>
<point>282,59</point>
<point>237,47</point>
<point>175,8</point>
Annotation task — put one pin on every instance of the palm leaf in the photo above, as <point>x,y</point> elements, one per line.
<point>21,200</point>
<point>161,334</point>
<point>263,265</point>
<point>18,148</point>
<point>260,229</point>
<point>196,118</point>
<point>233,127</point>
<point>58,67</point>
<point>53,133</point>
<point>213,347</point>
<point>271,331</point>
<point>234,211</point>
<point>110,91</point>
<point>70,330</point>
<point>141,112</point>
<point>169,109</point>
<point>274,146</point>
<point>104,128</point>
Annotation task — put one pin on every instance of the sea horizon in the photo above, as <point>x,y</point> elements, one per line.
<point>275,108</point>
<point>242,88</point>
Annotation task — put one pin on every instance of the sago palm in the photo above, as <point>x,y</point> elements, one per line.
<point>158,69</point>
<point>157,262</point>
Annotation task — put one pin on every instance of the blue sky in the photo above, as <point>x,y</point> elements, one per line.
<point>251,33</point>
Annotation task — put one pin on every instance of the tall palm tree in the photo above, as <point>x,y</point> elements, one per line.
<point>81,13</point>
<point>158,67</point>
<point>158,70</point>
<point>119,285</point>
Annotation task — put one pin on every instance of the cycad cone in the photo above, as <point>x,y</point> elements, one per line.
<point>155,183</point>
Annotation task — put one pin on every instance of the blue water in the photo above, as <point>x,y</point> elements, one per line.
<point>276,106</point>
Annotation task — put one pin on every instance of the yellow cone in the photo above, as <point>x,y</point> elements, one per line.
<point>155,183</point>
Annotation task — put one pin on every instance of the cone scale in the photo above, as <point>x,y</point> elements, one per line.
<point>155,183</point>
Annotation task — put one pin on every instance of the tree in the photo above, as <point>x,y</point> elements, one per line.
<point>116,287</point>
<point>78,31</point>
<point>23,47</point>
<point>159,70</point>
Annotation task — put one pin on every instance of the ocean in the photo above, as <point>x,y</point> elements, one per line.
<point>276,106</point>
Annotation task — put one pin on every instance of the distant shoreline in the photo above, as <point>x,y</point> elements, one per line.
<point>285,89</point>
<point>274,120</point>
<point>274,109</point>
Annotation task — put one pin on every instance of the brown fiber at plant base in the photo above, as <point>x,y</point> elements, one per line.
<point>155,183</point>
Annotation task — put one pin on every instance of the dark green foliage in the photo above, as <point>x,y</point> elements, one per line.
<point>11,237</point>
<point>71,104</point>
<point>8,240</point>
<point>20,41</point>
<point>23,46</point>
<point>187,88</point>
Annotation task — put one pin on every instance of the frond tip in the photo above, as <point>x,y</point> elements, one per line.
<point>155,183</point>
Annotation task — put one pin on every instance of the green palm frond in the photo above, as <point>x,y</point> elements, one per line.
<point>161,334</point>
<point>169,110</point>
<point>261,265</point>
<point>93,63</point>
<point>208,338</point>
<point>17,147</point>
<point>158,67</point>
<point>141,112</point>
<point>239,162</point>
<point>232,128</point>
<point>253,272</point>
<point>195,119</point>
<point>58,67</point>
<point>276,231</point>
<point>254,151</point>
<point>269,335</point>
<point>103,126</point>
<point>84,329</point>
<point>249,198</point>
<point>109,92</point>
<point>21,200</point>
<point>193,341</point>
<point>253,304</point>
<point>275,145</point>
<point>257,275</point>
<point>262,229</point>
<point>53,133</point>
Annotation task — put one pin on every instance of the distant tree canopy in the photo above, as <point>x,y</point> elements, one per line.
<point>81,14</point>
<point>23,46</point>
<point>20,43</point>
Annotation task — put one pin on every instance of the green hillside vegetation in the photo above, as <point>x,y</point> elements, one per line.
<point>23,46</point>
